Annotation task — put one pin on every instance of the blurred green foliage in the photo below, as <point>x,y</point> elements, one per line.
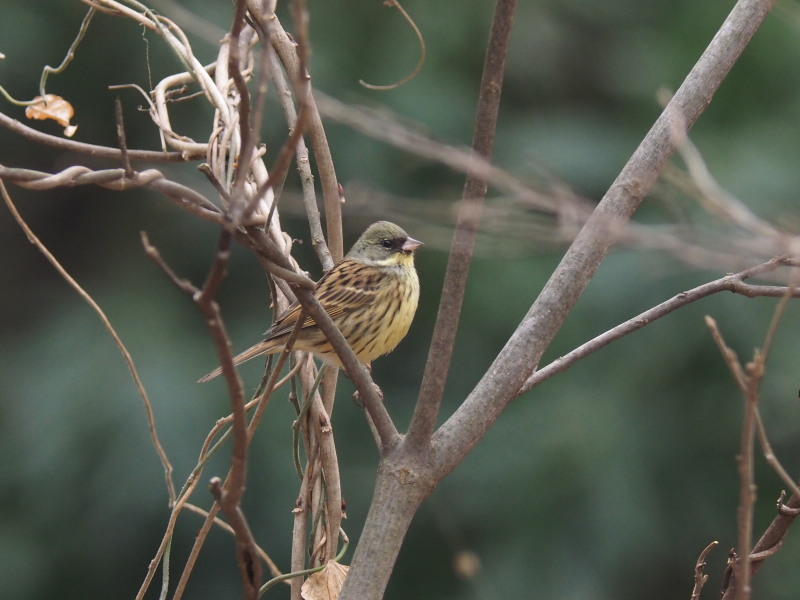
<point>604,482</point>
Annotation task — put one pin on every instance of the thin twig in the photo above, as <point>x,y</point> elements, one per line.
<point>48,70</point>
<point>274,260</point>
<point>287,51</point>
<point>93,150</point>
<point>271,383</point>
<point>422,51</point>
<point>206,452</point>
<point>281,165</point>
<point>276,572</point>
<point>772,459</point>
<point>116,179</point>
<point>194,553</point>
<point>747,490</point>
<point>248,137</point>
<point>744,461</point>
<point>770,542</point>
<point>121,140</point>
<point>700,577</point>
<point>463,244</point>
<point>329,464</point>
<point>229,494</point>
<point>151,423</point>
<point>386,127</point>
<point>731,283</point>
<point>749,380</point>
<point>303,167</point>
<point>300,532</point>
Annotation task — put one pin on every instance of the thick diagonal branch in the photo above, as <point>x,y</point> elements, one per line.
<point>521,354</point>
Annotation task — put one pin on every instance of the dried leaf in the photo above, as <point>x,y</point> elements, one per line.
<point>325,584</point>
<point>53,107</point>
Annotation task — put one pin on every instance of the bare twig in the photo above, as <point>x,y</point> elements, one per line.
<point>770,542</point>
<point>715,199</point>
<point>194,477</point>
<point>463,244</point>
<point>748,378</point>
<point>189,486</point>
<point>300,532</point>
<point>180,588</point>
<point>229,494</point>
<point>732,283</point>
<point>121,140</point>
<point>422,51</point>
<point>281,165</point>
<point>93,150</point>
<point>386,127</point>
<point>276,572</point>
<point>271,385</point>
<point>728,355</point>
<point>273,259</point>
<point>116,179</point>
<point>303,167</point>
<point>320,420</point>
<point>48,70</point>
<point>162,455</point>
<point>248,137</point>
<point>176,41</point>
<point>190,21</point>
<point>286,49</point>
<point>744,460</point>
<point>700,577</point>
<point>772,459</point>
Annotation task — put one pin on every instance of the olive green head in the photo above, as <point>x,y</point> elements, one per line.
<point>385,243</point>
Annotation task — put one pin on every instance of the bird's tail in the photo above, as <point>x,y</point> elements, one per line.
<point>264,347</point>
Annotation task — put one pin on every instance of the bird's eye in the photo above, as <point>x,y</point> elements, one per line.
<point>387,243</point>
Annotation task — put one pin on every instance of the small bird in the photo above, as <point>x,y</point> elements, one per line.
<point>371,296</point>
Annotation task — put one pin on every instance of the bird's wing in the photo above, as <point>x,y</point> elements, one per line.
<point>343,289</point>
<point>285,323</point>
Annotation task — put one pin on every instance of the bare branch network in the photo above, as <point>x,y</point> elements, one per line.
<point>256,55</point>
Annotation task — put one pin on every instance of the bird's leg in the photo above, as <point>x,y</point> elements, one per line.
<point>378,391</point>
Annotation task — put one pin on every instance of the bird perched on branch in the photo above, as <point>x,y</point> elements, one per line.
<point>371,296</point>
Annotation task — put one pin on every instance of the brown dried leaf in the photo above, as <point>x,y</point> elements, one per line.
<point>325,584</point>
<point>53,107</point>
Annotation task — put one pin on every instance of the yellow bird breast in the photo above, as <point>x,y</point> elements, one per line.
<point>398,302</point>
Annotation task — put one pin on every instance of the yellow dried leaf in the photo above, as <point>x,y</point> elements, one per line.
<point>53,107</point>
<point>325,584</point>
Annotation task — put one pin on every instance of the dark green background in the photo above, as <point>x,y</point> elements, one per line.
<point>605,482</point>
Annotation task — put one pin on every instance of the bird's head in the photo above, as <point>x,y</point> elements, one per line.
<point>386,244</point>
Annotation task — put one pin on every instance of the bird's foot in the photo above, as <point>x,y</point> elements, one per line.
<point>357,397</point>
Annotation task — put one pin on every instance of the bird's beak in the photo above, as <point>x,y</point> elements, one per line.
<point>410,245</point>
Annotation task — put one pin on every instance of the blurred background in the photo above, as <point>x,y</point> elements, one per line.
<point>604,482</point>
